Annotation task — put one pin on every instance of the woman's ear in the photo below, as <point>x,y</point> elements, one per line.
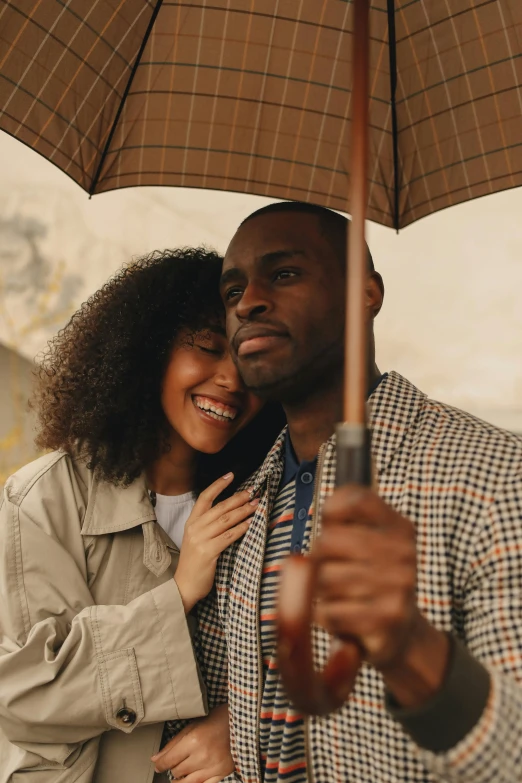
<point>374,293</point>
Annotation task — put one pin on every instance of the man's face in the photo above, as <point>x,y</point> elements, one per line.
<point>283,290</point>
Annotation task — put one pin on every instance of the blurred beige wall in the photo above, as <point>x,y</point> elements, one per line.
<point>451,323</point>
<point>16,422</point>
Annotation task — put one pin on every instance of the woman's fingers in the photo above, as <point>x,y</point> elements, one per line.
<point>229,519</point>
<point>207,497</point>
<point>201,776</point>
<point>169,758</point>
<point>186,767</point>
<point>233,503</point>
<point>221,542</point>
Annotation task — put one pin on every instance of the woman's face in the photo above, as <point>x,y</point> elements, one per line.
<point>203,396</point>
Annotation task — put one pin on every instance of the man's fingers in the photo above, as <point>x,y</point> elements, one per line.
<point>364,545</point>
<point>343,580</point>
<point>342,620</point>
<point>361,618</point>
<point>354,581</point>
<point>353,504</point>
<point>347,543</point>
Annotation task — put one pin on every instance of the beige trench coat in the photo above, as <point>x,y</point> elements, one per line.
<point>91,622</point>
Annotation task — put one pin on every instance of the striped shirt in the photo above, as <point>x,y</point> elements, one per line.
<point>282,743</point>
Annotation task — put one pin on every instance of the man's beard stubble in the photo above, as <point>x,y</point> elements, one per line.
<point>293,383</point>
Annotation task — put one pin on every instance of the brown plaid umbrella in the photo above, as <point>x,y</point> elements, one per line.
<point>255,96</point>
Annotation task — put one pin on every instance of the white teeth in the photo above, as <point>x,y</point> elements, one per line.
<point>217,413</point>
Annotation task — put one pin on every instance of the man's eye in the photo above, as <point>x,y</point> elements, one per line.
<point>232,293</point>
<point>284,274</point>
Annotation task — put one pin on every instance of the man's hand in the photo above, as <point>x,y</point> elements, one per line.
<point>367,574</point>
<point>200,753</point>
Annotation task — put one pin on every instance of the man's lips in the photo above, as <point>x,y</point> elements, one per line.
<point>257,340</point>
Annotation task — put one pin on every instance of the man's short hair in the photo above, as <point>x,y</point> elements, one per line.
<point>334,226</point>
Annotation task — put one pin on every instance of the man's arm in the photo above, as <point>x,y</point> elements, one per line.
<point>462,705</point>
<point>491,749</point>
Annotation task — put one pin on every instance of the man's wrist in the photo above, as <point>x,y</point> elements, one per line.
<point>455,709</point>
<point>419,672</point>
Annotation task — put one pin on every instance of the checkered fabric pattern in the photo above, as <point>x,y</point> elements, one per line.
<point>255,96</point>
<point>460,481</point>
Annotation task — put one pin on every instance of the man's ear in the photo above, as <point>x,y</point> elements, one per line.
<point>374,293</point>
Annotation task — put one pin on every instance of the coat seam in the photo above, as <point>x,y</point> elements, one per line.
<point>160,626</point>
<point>30,482</point>
<point>19,572</point>
<point>101,661</point>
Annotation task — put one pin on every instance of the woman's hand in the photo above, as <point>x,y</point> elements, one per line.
<point>210,530</point>
<point>200,753</point>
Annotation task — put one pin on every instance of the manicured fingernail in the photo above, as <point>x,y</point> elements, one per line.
<point>254,502</point>
<point>228,476</point>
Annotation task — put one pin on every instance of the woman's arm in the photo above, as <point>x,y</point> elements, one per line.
<point>66,665</point>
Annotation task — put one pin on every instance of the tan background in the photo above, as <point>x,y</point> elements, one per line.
<point>452,321</point>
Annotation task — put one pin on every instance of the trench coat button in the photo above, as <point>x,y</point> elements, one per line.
<point>126,717</point>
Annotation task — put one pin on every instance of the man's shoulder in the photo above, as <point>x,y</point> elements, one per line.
<point>467,429</point>
<point>434,436</point>
<point>400,399</point>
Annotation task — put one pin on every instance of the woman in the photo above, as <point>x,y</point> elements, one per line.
<point>143,408</point>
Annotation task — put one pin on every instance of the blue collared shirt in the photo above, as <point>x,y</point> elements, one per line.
<point>304,475</point>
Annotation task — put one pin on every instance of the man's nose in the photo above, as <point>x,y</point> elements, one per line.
<point>253,302</point>
<point>227,376</point>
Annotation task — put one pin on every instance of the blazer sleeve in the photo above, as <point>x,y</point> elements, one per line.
<point>487,668</point>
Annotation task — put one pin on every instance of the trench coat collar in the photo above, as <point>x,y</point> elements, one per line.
<point>112,509</point>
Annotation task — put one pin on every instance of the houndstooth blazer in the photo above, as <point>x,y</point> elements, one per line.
<point>460,481</point>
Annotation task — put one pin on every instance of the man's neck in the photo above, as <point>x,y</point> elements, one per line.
<point>311,421</point>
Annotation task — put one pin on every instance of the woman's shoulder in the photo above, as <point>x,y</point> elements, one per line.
<point>50,472</point>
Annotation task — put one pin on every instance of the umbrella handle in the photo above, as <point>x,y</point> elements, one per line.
<point>310,691</point>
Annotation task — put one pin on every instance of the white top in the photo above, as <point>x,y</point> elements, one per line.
<point>172,512</point>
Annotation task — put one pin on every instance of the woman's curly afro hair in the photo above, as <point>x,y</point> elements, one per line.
<point>99,382</point>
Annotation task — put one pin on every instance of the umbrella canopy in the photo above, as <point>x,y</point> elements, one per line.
<point>255,96</point>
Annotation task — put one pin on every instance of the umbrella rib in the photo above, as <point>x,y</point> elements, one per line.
<point>137,61</point>
<point>392,47</point>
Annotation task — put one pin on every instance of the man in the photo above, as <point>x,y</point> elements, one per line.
<point>426,575</point>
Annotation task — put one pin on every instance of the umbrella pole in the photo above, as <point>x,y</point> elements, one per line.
<point>313,692</point>
<point>353,438</point>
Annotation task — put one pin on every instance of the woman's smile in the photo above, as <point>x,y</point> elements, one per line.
<point>215,410</point>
